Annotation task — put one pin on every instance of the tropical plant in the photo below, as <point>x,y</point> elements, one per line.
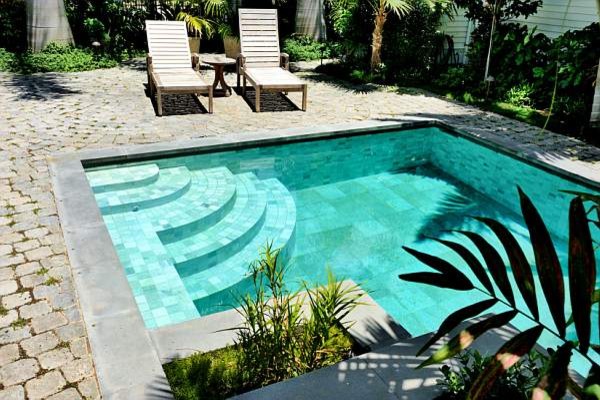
<point>277,340</point>
<point>517,383</point>
<point>199,15</point>
<point>582,280</point>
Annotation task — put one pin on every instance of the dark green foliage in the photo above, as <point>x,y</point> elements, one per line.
<point>55,58</point>
<point>7,60</point>
<point>303,48</point>
<point>411,44</point>
<point>119,27</point>
<point>201,376</point>
<point>516,384</point>
<point>13,25</point>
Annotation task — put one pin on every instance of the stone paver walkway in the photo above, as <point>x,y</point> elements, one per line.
<point>43,347</point>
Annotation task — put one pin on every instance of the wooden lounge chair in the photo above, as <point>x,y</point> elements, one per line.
<point>260,62</point>
<point>171,67</point>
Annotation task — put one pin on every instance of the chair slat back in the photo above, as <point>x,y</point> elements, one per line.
<point>259,37</point>
<point>168,44</point>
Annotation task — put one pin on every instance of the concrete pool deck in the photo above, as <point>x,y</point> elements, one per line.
<point>47,113</point>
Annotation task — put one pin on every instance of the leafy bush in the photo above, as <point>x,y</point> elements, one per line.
<point>284,334</point>
<point>520,95</point>
<point>277,339</point>
<point>212,375</point>
<point>304,48</point>
<point>7,60</point>
<point>13,25</point>
<point>118,26</point>
<point>58,57</point>
<point>517,383</point>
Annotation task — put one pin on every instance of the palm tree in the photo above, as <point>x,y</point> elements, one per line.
<point>381,9</point>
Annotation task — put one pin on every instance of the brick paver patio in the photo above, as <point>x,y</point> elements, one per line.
<point>43,347</point>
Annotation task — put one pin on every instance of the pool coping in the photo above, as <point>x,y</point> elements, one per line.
<point>128,364</point>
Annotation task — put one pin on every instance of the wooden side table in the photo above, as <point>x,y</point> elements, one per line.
<point>218,63</point>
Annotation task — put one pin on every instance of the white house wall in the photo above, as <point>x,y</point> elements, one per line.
<point>549,21</point>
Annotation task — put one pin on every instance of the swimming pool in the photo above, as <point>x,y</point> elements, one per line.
<point>186,228</point>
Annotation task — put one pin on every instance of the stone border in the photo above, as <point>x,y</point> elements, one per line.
<point>126,354</point>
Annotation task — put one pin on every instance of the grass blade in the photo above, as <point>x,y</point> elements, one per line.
<point>494,263</point>
<point>454,319</point>
<point>467,336</point>
<point>582,271</point>
<point>472,262</point>
<point>439,280</point>
<point>553,384</point>
<point>505,358</point>
<point>546,261</point>
<point>518,262</point>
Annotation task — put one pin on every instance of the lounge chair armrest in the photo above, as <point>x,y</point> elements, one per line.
<point>240,62</point>
<point>195,61</point>
<point>284,61</point>
<point>149,62</point>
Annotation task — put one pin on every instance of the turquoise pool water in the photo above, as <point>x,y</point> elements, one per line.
<point>186,228</point>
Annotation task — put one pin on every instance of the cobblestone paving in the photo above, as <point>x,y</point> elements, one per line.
<point>43,347</point>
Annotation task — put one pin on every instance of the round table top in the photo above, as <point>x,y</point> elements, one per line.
<point>216,60</point>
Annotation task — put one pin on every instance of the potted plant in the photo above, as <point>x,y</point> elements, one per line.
<point>231,42</point>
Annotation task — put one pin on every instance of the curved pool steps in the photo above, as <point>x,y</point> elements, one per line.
<point>171,184</point>
<point>217,243</point>
<point>105,180</point>
<point>278,228</point>
<point>211,196</point>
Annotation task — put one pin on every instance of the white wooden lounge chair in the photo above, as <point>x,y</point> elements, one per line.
<point>260,61</point>
<point>171,67</point>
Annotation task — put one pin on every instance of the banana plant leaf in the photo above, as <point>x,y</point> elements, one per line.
<point>467,336</point>
<point>506,357</point>
<point>472,262</point>
<point>582,272</point>
<point>494,263</point>
<point>454,319</point>
<point>546,260</point>
<point>518,262</point>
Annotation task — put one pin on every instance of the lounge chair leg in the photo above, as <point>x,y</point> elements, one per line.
<point>304,97</point>
<point>244,87</point>
<point>257,99</point>
<point>159,103</point>
<point>210,99</point>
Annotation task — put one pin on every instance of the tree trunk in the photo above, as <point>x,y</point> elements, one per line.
<point>310,19</point>
<point>47,22</point>
<point>377,39</point>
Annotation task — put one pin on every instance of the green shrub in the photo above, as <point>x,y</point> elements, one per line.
<point>520,95</point>
<point>7,60</point>
<point>277,340</point>
<point>212,375</point>
<point>516,384</point>
<point>58,57</point>
<point>303,48</point>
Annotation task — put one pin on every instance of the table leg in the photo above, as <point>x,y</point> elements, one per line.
<point>220,79</point>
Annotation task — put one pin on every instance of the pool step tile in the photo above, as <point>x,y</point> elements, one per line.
<point>278,228</point>
<point>211,196</point>
<point>217,243</point>
<point>171,184</point>
<point>155,283</point>
<point>105,180</point>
